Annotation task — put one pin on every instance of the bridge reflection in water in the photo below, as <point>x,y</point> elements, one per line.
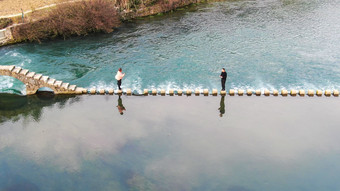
<point>13,107</point>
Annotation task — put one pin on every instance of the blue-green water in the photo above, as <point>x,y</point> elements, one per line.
<point>262,44</point>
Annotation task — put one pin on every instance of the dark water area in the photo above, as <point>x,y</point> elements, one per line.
<point>169,143</point>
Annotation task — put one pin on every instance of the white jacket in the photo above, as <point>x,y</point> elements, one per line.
<point>119,75</point>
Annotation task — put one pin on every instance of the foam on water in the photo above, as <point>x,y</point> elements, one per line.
<point>6,82</point>
<point>11,85</point>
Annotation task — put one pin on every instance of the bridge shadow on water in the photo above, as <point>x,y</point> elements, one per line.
<point>13,107</point>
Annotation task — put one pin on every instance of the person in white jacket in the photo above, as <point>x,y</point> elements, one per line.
<point>119,77</point>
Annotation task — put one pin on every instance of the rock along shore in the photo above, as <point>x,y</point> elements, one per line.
<point>7,37</point>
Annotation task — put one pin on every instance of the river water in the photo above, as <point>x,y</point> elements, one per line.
<point>262,44</point>
<point>169,143</point>
<point>136,143</point>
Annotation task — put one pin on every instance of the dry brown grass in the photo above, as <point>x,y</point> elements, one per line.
<point>10,7</point>
<point>81,17</point>
<point>66,20</point>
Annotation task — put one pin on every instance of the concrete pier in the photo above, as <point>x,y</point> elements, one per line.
<point>328,93</point>
<point>293,92</point>
<point>128,92</point>
<point>266,92</point>
<point>146,92</point>
<point>162,92</point>
<point>93,91</point>
<point>102,91</point>
<point>240,92</point>
<point>318,93</point>
<point>214,92</point>
<point>249,92</point>
<point>154,92</point>
<point>231,92</point>
<point>310,93</point>
<point>302,93</point>
<point>197,92</point>
<point>79,91</point>
<point>206,92</point>
<point>258,92</point>
<point>171,92</point>
<point>188,92</point>
<point>275,92</point>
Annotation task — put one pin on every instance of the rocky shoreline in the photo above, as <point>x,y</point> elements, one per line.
<point>7,37</point>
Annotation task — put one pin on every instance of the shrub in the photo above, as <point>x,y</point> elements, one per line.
<point>149,2</point>
<point>71,19</point>
<point>169,4</point>
<point>134,4</point>
<point>5,22</point>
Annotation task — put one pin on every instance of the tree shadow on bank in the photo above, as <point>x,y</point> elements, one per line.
<point>13,107</point>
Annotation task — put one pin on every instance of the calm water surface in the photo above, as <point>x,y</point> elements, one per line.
<point>169,143</point>
<point>262,43</point>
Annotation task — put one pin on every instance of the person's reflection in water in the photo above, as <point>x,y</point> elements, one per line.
<point>222,107</point>
<point>120,106</point>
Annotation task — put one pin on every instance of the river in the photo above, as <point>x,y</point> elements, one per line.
<point>263,44</point>
<point>169,143</point>
<point>199,143</point>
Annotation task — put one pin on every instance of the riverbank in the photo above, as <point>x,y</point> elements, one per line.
<point>79,18</point>
<point>171,143</point>
<point>13,7</point>
<point>186,49</point>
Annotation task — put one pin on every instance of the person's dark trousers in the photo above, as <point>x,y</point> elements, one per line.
<point>223,83</point>
<point>119,83</point>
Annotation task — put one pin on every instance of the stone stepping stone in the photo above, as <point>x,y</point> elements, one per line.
<point>72,87</point>
<point>30,75</point>
<point>45,78</point>
<point>58,83</point>
<point>51,81</point>
<point>37,76</point>
<point>65,86</point>
<point>24,72</point>
<point>17,70</point>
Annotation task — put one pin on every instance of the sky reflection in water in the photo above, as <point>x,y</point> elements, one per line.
<point>174,143</point>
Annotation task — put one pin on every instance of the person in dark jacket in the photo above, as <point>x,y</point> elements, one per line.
<point>223,77</point>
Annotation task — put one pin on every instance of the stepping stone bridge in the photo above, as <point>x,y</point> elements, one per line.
<point>35,81</point>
